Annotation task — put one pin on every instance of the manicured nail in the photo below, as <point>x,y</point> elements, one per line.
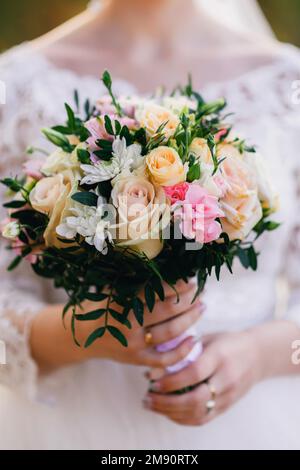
<point>155,386</point>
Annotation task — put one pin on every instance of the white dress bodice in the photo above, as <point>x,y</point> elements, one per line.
<point>100,392</point>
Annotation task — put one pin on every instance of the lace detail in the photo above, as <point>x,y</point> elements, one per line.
<point>36,91</point>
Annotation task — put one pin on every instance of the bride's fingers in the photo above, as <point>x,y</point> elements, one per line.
<point>190,408</point>
<point>152,358</point>
<point>188,403</point>
<point>170,308</point>
<point>173,328</point>
<point>222,403</point>
<point>180,288</point>
<point>197,372</point>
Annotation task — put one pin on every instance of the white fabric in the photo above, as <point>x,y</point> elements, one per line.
<point>97,405</point>
<point>242,15</point>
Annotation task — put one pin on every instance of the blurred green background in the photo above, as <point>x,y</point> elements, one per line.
<point>21,20</point>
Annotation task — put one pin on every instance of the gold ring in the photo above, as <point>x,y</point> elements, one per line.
<point>211,403</point>
<point>212,389</point>
<point>148,337</point>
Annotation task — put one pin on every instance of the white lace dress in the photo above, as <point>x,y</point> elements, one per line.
<point>97,405</point>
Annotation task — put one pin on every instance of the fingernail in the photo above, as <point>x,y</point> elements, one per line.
<point>155,386</point>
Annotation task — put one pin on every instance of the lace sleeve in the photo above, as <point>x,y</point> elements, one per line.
<point>21,297</point>
<point>292,265</point>
<point>35,96</point>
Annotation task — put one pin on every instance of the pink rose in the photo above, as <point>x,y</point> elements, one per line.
<point>177,192</point>
<point>197,215</point>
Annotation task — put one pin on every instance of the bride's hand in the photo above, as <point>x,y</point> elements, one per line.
<point>168,320</point>
<point>227,369</point>
<point>52,346</point>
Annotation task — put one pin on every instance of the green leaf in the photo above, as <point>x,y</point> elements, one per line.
<point>71,117</point>
<point>149,297</point>
<point>193,173</point>
<point>120,317</point>
<point>73,320</point>
<point>270,225</point>
<point>252,255</point>
<point>95,297</point>
<point>106,78</point>
<point>23,237</point>
<point>95,335</point>
<point>83,156</point>
<point>158,287</point>
<point>105,188</point>
<point>58,139</point>
<point>14,263</point>
<point>107,81</point>
<point>108,125</point>
<point>201,280</point>
<point>118,335</point>
<point>76,99</point>
<point>15,204</point>
<point>86,198</point>
<point>138,310</point>
<point>13,184</point>
<point>94,315</point>
<point>243,257</point>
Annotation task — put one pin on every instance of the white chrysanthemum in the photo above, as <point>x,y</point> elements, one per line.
<point>124,158</point>
<point>87,222</point>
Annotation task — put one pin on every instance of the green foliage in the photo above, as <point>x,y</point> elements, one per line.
<point>107,81</point>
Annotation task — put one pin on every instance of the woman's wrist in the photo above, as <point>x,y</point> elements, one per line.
<point>273,348</point>
<point>52,345</point>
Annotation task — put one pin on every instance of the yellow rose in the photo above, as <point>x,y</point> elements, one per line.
<point>201,150</point>
<point>240,202</point>
<point>152,116</point>
<point>143,212</point>
<point>165,166</point>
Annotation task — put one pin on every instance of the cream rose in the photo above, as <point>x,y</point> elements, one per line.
<point>201,150</point>
<point>152,116</point>
<point>143,212</point>
<point>179,104</point>
<point>240,203</point>
<point>266,191</point>
<point>60,161</point>
<point>46,192</point>
<point>165,166</point>
<point>52,196</point>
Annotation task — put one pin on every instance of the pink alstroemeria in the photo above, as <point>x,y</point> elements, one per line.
<point>96,127</point>
<point>220,134</point>
<point>198,213</point>
<point>32,168</point>
<point>18,246</point>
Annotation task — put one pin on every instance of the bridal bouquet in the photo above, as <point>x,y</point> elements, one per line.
<point>137,193</point>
